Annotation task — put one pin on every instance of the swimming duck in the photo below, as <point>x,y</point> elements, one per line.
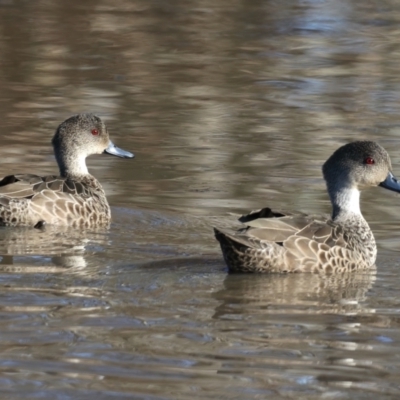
<point>74,198</point>
<point>274,241</point>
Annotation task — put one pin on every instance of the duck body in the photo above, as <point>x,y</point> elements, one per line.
<point>25,200</point>
<point>280,242</point>
<point>74,198</point>
<point>273,241</point>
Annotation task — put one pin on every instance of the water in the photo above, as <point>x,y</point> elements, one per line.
<point>228,106</point>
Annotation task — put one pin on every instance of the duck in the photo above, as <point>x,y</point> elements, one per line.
<point>290,242</point>
<point>72,198</point>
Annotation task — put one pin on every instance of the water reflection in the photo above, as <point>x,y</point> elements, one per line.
<point>63,247</point>
<point>213,101</point>
<point>302,293</point>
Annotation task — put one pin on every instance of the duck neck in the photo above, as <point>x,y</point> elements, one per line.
<point>345,203</point>
<point>72,166</point>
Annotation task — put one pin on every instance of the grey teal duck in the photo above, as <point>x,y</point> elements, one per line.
<point>274,241</point>
<point>74,198</point>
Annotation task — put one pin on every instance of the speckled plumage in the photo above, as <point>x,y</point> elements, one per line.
<point>74,198</point>
<point>288,242</point>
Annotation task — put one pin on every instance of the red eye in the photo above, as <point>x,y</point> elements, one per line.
<point>369,161</point>
<point>95,132</point>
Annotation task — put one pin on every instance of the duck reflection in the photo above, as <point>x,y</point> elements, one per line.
<point>59,246</point>
<point>305,293</point>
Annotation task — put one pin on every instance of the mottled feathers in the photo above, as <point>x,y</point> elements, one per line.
<point>287,242</point>
<point>28,199</point>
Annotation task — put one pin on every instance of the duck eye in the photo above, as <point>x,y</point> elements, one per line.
<point>95,132</point>
<point>369,161</point>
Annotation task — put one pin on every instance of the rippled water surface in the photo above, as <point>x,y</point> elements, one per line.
<point>229,106</point>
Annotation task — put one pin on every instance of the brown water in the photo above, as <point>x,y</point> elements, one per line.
<point>228,106</point>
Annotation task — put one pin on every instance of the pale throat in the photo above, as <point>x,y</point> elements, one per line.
<point>80,166</point>
<point>346,201</point>
<point>75,166</point>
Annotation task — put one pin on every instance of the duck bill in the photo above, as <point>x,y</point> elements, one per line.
<point>116,151</point>
<point>391,183</point>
